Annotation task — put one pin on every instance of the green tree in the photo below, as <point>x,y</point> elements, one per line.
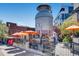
<point>3,29</point>
<point>72,20</point>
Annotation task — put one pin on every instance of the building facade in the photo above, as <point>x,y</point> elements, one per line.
<point>63,14</point>
<point>13,28</point>
<point>44,19</point>
<point>76,10</point>
<point>76,5</point>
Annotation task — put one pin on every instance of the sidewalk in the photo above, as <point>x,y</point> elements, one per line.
<point>26,47</point>
<point>2,50</point>
<point>27,51</point>
<point>1,53</point>
<point>34,51</point>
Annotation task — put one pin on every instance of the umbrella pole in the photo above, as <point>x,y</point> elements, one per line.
<point>29,41</point>
<point>73,43</point>
<point>30,38</point>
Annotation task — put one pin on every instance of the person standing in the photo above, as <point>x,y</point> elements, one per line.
<point>55,38</point>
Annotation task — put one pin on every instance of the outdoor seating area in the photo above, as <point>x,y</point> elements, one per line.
<point>45,43</point>
<point>50,34</point>
<point>42,44</point>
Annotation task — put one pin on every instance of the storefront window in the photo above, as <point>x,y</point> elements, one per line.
<point>70,9</point>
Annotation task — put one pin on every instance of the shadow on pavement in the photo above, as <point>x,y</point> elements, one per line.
<point>28,53</point>
<point>15,51</point>
<point>10,48</point>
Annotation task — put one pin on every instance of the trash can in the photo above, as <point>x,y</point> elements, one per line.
<point>4,41</point>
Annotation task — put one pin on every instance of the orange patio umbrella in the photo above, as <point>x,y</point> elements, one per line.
<point>73,27</point>
<point>20,34</point>
<point>31,32</point>
<point>16,34</point>
<point>23,34</point>
<point>34,33</point>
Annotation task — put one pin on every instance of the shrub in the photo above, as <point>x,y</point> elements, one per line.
<point>77,33</point>
<point>67,39</point>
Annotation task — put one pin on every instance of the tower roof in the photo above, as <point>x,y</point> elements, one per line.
<point>43,6</point>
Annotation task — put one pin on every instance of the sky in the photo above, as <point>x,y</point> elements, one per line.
<point>24,13</point>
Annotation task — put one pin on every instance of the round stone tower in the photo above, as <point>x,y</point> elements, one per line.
<point>44,19</point>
